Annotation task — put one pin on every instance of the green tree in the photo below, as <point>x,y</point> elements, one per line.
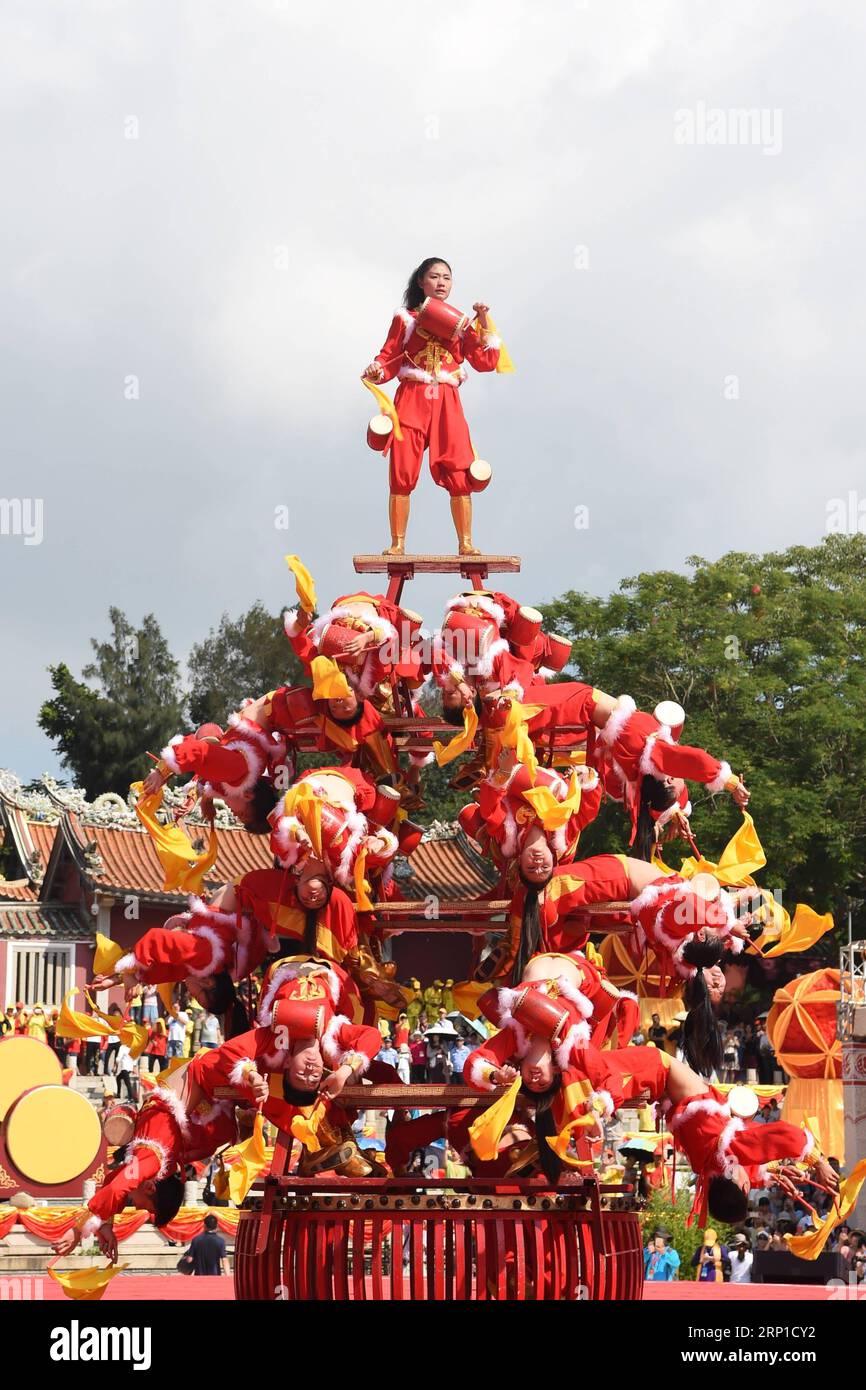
<point>241,659</point>
<point>766,655</point>
<point>133,703</point>
<point>685,1239</point>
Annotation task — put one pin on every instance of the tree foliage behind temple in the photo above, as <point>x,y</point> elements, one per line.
<point>767,655</point>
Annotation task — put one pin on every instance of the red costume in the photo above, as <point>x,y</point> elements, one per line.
<point>668,914</point>
<point>233,765</point>
<point>345,798</point>
<point>270,896</point>
<point>292,710</point>
<point>632,745</point>
<point>572,887</point>
<point>290,978</point>
<point>168,1137</point>
<point>571,1016</point>
<point>368,672</point>
<point>203,941</point>
<point>427,402</point>
<point>503,814</point>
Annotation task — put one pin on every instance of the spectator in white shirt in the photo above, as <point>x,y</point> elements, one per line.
<point>741,1260</point>
<point>176,1033</point>
<point>124,1072</point>
<point>210,1031</point>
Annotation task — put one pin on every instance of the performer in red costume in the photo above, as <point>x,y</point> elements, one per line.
<point>180,1122</point>
<point>239,765</point>
<point>209,947</point>
<point>638,755</point>
<point>346,725</point>
<point>334,816</point>
<point>509,813</point>
<point>577,1086</point>
<point>431,371</point>
<point>371,639</point>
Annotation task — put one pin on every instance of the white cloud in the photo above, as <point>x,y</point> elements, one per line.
<point>501,137</point>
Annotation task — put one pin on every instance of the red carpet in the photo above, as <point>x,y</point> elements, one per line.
<point>689,1291</point>
<point>154,1288</point>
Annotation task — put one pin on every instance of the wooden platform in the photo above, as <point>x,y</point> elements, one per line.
<point>435,564</point>
<point>399,568</point>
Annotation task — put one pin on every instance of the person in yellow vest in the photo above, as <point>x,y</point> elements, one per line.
<point>37,1024</point>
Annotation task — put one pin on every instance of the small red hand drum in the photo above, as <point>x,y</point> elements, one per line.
<point>524,627</point>
<point>118,1124</point>
<point>559,652</point>
<point>335,638</point>
<point>670,713</point>
<point>379,433</point>
<point>409,836</point>
<point>302,1018</point>
<point>480,474</point>
<point>385,807</point>
<point>539,1014</point>
<point>440,320</point>
<point>299,704</point>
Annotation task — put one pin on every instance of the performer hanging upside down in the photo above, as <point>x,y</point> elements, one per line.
<point>371,639</point>
<point>637,755</point>
<point>577,1085</point>
<point>210,947</point>
<point>346,725</point>
<point>180,1122</point>
<point>513,809</point>
<point>688,923</point>
<point>239,765</point>
<point>430,371</point>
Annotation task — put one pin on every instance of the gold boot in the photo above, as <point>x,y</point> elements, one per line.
<point>461,515</point>
<point>398,519</point>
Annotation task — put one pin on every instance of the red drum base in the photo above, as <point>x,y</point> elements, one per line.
<point>361,1245</point>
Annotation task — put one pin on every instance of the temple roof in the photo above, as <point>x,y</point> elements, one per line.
<point>113,854</point>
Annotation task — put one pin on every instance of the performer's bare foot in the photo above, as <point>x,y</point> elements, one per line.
<point>397,548</point>
<point>468,549</point>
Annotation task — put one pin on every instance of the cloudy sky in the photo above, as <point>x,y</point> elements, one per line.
<point>210,212</point>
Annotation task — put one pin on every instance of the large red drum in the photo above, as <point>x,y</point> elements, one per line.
<point>440,320</point>
<point>351,1246</point>
<point>559,651</point>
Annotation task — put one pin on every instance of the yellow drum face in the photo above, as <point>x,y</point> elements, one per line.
<point>25,1062</point>
<point>53,1134</point>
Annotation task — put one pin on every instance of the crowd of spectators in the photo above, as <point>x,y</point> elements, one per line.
<point>435,1052</point>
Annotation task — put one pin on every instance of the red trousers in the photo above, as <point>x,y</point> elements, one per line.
<point>431,417</point>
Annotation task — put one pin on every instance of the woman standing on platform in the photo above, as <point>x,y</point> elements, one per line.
<point>430,371</point>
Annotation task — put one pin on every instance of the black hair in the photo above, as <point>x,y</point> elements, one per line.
<point>347,720</point>
<point>726,1201</point>
<point>210,1222</point>
<point>703,1042</point>
<point>167,1197</point>
<point>262,803</point>
<point>236,1021</point>
<point>221,994</point>
<point>545,1128</point>
<point>296,1097</point>
<point>413,295</point>
<point>309,940</point>
<point>453,714</point>
<point>530,927</point>
<point>655,796</point>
